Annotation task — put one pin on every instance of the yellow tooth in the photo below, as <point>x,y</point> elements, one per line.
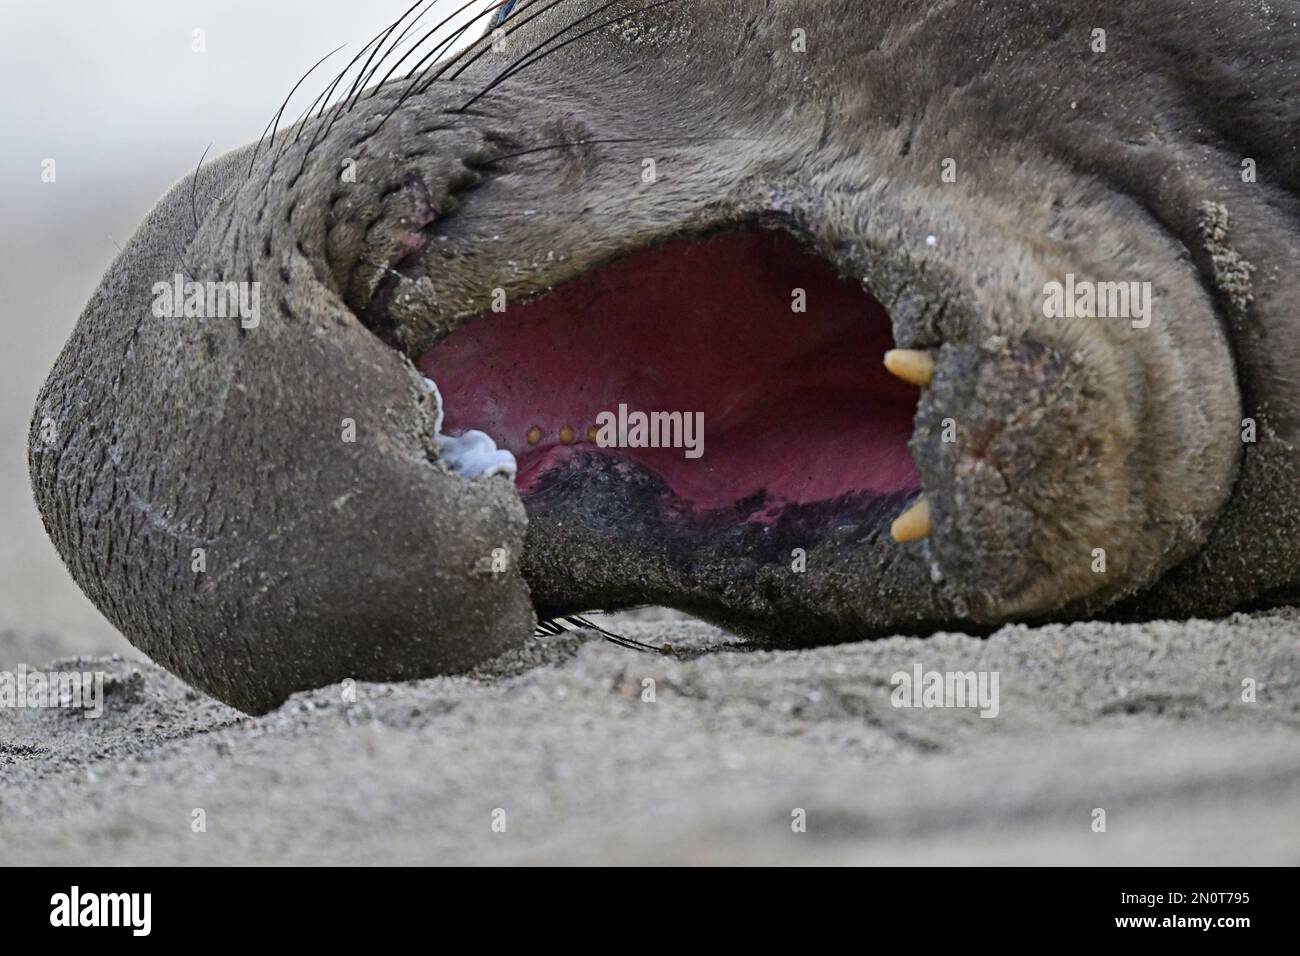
<point>593,435</point>
<point>911,365</point>
<point>534,435</point>
<point>566,435</point>
<point>914,523</point>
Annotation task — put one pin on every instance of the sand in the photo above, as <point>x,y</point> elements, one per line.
<point>558,748</point>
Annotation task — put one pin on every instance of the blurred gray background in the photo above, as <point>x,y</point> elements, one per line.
<point>114,93</point>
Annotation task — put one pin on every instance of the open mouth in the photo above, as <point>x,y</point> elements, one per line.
<point>732,381</point>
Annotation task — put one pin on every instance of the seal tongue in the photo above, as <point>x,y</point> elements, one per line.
<point>768,363</point>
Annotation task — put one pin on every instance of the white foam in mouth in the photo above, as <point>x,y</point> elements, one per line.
<point>473,454</point>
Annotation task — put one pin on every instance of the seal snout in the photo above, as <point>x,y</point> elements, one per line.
<point>1031,501</point>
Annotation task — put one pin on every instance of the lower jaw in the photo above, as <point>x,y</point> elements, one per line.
<point>605,533</point>
<point>792,455</point>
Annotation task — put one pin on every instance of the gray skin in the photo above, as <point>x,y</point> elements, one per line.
<point>327,559</point>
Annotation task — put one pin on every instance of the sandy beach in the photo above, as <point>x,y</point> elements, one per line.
<point>558,744</point>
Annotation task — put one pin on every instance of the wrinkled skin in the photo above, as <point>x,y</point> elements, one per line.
<point>369,559</point>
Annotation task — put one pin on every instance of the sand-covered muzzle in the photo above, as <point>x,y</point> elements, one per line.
<point>265,510</point>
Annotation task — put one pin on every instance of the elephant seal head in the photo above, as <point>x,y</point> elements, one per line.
<point>656,262</point>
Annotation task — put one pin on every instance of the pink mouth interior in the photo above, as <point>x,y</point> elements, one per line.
<point>797,407</point>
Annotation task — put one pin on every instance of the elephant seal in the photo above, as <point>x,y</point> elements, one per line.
<point>974,312</point>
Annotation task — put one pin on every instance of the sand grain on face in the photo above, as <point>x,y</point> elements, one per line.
<point>1146,722</point>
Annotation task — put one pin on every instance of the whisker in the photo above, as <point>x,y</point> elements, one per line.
<point>387,33</point>
<point>484,43</point>
<point>521,66</point>
<point>415,46</point>
<point>406,31</point>
<point>322,133</point>
<point>324,97</point>
<point>180,258</point>
<point>194,188</point>
<point>434,52</point>
<point>571,622</point>
<point>484,46</point>
<point>275,123</point>
<point>515,25</point>
<point>411,88</point>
